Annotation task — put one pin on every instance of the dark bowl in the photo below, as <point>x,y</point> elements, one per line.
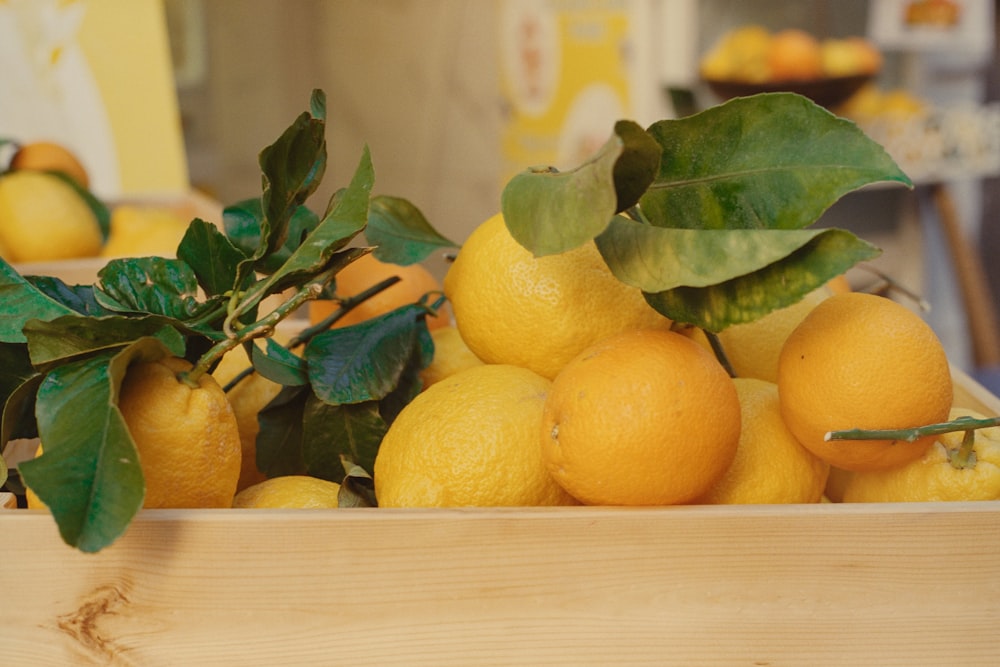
<point>825,92</point>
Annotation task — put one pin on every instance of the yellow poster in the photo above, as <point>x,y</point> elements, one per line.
<point>95,75</point>
<point>565,77</point>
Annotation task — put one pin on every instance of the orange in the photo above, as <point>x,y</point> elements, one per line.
<point>863,361</point>
<point>771,466</point>
<point>50,156</point>
<point>933,477</point>
<point>641,418</point>
<point>537,312</point>
<point>187,436</point>
<point>469,440</point>
<point>290,492</point>
<point>366,271</point>
<point>794,55</point>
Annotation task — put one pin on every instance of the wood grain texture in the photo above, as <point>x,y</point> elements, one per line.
<point>817,585</point>
<point>823,585</point>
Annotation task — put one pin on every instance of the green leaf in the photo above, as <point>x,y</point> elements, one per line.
<point>80,298</point>
<point>18,384</point>
<point>400,232</point>
<point>279,364</point>
<point>748,297</point>
<point>155,285</point>
<point>357,488</point>
<point>279,441</point>
<point>292,167</point>
<point>243,220</point>
<point>212,257</point>
<point>64,338</point>
<point>89,474</point>
<point>655,259</point>
<point>21,301</point>
<point>770,161</point>
<point>550,212</point>
<point>331,432</point>
<point>345,218</point>
<point>366,361</point>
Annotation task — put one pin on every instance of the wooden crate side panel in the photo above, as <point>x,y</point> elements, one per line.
<point>793,585</point>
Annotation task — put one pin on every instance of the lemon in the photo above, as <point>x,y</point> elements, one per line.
<point>451,355</point>
<point>292,491</point>
<point>42,218</point>
<point>538,312</point>
<point>141,231</point>
<point>469,440</point>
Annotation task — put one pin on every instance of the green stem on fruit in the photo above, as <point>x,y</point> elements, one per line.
<point>965,456</point>
<point>967,424</point>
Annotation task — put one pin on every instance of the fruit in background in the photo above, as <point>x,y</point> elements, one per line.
<point>644,417</point>
<point>794,55</point>
<point>863,361</point>
<point>43,218</point>
<point>740,55</point>
<point>935,13</point>
<point>50,156</point>
<point>940,475</point>
<point>849,57</point>
<point>141,231</point>
<point>289,492</point>
<point>538,312</point>
<point>366,271</point>
<point>871,102</point>
<point>771,466</point>
<point>451,355</point>
<point>469,440</point>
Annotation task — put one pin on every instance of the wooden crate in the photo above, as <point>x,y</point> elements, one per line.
<point>813,585</point>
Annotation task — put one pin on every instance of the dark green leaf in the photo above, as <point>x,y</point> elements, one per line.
<point>746,298</point>
<point>21,301</point>
<point>400,232</point>
<point>66,337</point>
<point>243,222</point>
<point>292,167</point>
<point>344,219</point>
<point>279,442</point>
<point>549,212</point>
<point>89,475</point>
<point>770,161</point>
<point>18,384</point>
<point>212,257</point>
<point>155,285</point>
<point>279,364</point>
<point>333,431</point>
<point>317,104</point>
<point>366,361</point>
<point>78,297</point>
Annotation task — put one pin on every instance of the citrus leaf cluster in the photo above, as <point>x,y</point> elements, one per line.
<point>65,348</point>
<point>707,214</point>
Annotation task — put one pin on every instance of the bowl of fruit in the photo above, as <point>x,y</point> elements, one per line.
<point>751,59</point>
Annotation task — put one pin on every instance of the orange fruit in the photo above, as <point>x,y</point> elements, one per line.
<point>289,492</point>
<point>537,312</point>
<point>187,436</point>
<point>771,466</point>
<point>794,55</point>
<point>50,156</point>
<point>469,440</point>
<point>644,417</point>
<point>366,271</point>
<point>933,477</point>
<point>863,361</point>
